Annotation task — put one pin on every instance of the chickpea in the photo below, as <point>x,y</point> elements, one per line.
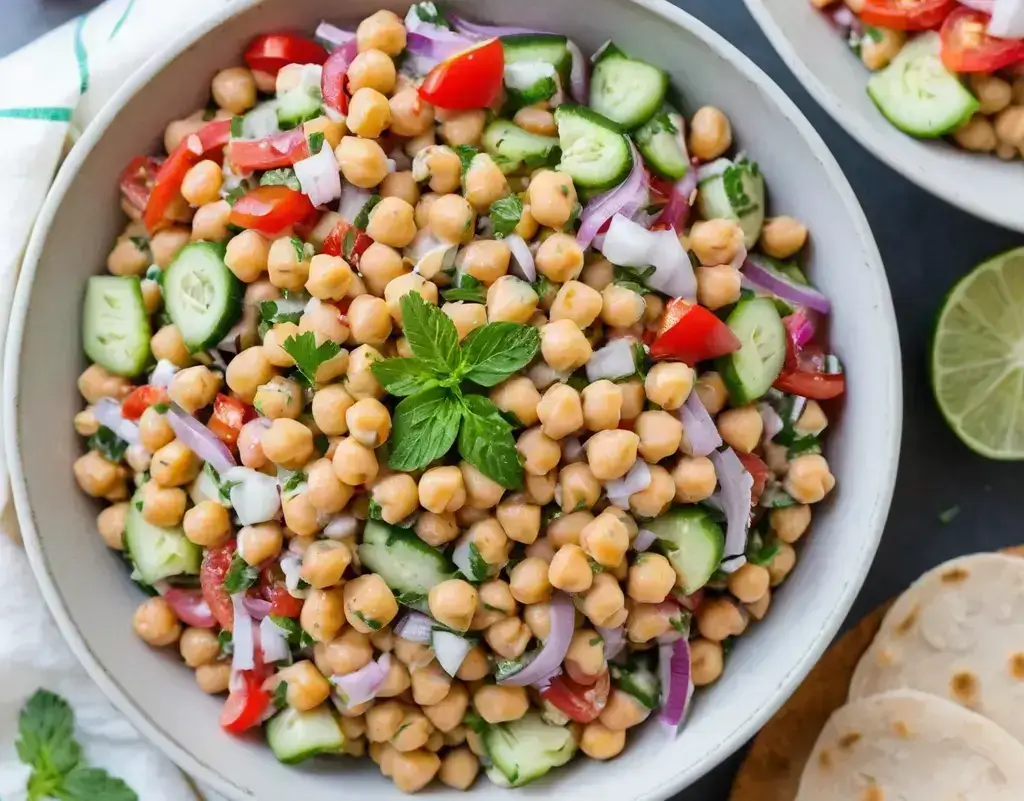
<point>710,133</point>
<point>577,302</point>
<point>369,422</point>
<point>354,464</point>
<point>249,370</point>
<point>538,618</point>
<point>201,184</point>
<point>234,89</point>
<point>719,618</point>
<point>410,114</point>
<point>350,651</point>
<point>369,604</point>
<point>397,496</point>
<point>214,678</point>
<point>694,478</point>
<point>447,714</point>
<point>392,223</point>
<point>330,407</point>
<point>809,479</point>
<point>168,344</point>
<point>368,113</point>
<point>154,430</point>
<point>749,583</point>
<point>759,608</point>
<point>207,524</point>
<point>580,489</point>
<point>605,540</point>
<point>452,219</point>
<point>564,347</point>
<point>259,543</point>
<point>508,638</point>
<point>198,647</point>
<point>610,454</point>
<point>359,379</point>
<point>137,457</point>
<point>466,316</point>
<point>528,581</point>
<point>741,428</point>
<point>510,299</point>
<point>301,518</point>
<point>95,383</point>
<point>977,134</point>
<point>307,688</point>
<point>481,491</point>
<point>401,186</point>
<point>879,49</point>
<point>783,237</point>
<point>441,489</point>
<point>162,507</point>
<point>559,258</point>
<point>993,93</point>
<point>716,241</point>
<point>567,528</point>
<point>369,321</point>
<point>552,198</point>
<point>1018,91</point>
<point>459,768</point>
<point>362,161</point>
<point>711,391</point>
<point>812,420</point>
<point>326,323</point>
<point>668,384</point>
<point>194,387</point>
<point>155,623</point>
<point>324,563</point>
<point>279,398</point>
<point>372,69</point>
<point>464,128</point>
<point>718,286</point>
<point>540,453</point>
<point>288,443</point>
<point>127,258</point>
<point>781,566</point>
<point>475,666</point>
<point>441,166</point>
<point>383,720</point>
<point>379,265</point>
<point>1009,126</point>
<point>397,681</point>
<point>486,260</point>
<point>326,493</point>
<point>97,477</point>
<point>453,603</point>
<point>484,183</point>
<point>210,222</point>
<point>288,264</point>
<point>706,659</point>
<point>329,277</point>
<point>403,285</point>
<point>111,523</point>
<point>660,434</point>
<point>500,704</point>
<point>623,711</point>
<point>381,31</point>
<point>541,489</point>
<point>1006,152</point>
<point>600,742</point>
<point>86,424</point>
<point>791,523</point>
<point>414,770</point>
<point>604,601</point>
<point>174,465</point>
<point>166,243</point>
<point>536,121</point>
<point>621,307</point>
<point>430,684</point>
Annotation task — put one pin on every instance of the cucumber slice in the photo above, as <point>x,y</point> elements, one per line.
<point>298,105</point>
<point>529,82</point>
<point>407,564</point>
<point>750,372</point>
<point>512,148</point>
<point>547,47</point>
<point>626,90</point>
<point>202,296</point>
<point>594,152</point>
<point>734,192</point>
<point>526,749</point>
<point>156,552</point>
<point>294,736</point>
<point>918,95</point>
<point>662,143</point>
<point>639,681</point>
<point>115,326</point>
<point>693,542</point>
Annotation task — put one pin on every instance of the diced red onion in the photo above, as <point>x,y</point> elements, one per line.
<point>736,484</point>
<point>1007,20</point>
<point>479,31</point>
<point>784,287</point>
<point>698,427</point>
<point>243,657</point>
<point>253,434</point>
<point>637,479</point>
<point>319,177</point>
<point>626,199</point>
<point>770,421</point>
<point>450,649</point>
<point>523,264</point>
<point>415,627</point>
<point>579,83</point>
<point>342,526</point>
<point>163,373</point>
<point>800,328</point>
<point>644,539</point>
<point>691,602</point>
<point>614,641</point>
<point>362,685</point>
<point>273,641</point>
<point>352,201</point>
<point>549,658</point>
<point>676,682</point>
<point>189,606</point>
<point>333,35</point>
<point>434,46</point>
<point>200,440</point>
<point>630,245</point>
<point>258,608</point>
<point>107,412</point>
<point>254,495</point>
<point>614,360</point>
<point>677,210</point>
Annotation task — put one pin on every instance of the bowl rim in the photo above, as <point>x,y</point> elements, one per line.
<point>209,774</point>
<point>857,126</point>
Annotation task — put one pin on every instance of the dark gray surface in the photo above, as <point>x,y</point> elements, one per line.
<point>926,246</point>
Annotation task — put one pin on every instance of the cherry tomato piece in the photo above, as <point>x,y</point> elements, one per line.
<point>967,47</point>
<point>273,589</point>
<point>906,15</point>
<point>140,399</point>
<point>279,150</point>
<point>246,704</point>
<point>819,386</point>
<point>469,79</point>
<point>581,703</point>
<point>690,333</point>
<point>334,78</point>
<point>191,608</point>
<point>760,472</point>
<point>271,51</point>
<point>270,209</point>
<point>137,181</point>
<point>346,241</point>
<point>229,415</point>
<point>216,564</point>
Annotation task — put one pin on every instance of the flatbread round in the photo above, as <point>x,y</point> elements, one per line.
<point>909,746</point>
<point>958,633</point>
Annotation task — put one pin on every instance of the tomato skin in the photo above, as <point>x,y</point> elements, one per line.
<point>273,589</point>
<point>334,78</point>
<point>917,15</point>
<point>137,181</point>
<point>229,415</point>
<point>245,706</point>
<point>690,333</point>
<point>216,564</point>
<point>140,399</point>
<point>270,152</point>
<point>467,80</point>
<point>582,704</point>
<point>966,47</point>
<point>271,51</point>
<point>346,241</point>
<point>760,472</point>
<point>815,385</point>
<point>270,209</point>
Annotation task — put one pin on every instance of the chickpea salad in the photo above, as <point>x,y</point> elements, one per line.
<point>943,67</point>
<point>452,397</point>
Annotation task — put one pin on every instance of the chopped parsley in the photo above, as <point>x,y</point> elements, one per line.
<point>308,355</point>
<point>466,154</point>
<point>506,213</point>
<point>369,622</point>
<point>110,446</point>
<point>240,576</point>
<point>283,176</point>
<point>316,142</point>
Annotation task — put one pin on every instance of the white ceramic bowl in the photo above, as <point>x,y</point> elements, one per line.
<point>87,586</point>
<point>982,185</point>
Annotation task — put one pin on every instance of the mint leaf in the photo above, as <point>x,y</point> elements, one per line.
<point>295,480</point>
<point>309,356</point>
<point>469,289</point>
<point>46,737</point>
<point>283,176</point>
<point>423,428</point>
<point>431,334</point>
<point>236,126</point>
<point>294,633</point>
<point>486,442</point>
<point>363,217</point>
<point>94,784</point>
<point>634,278</point>
<point>493,352</point>
<point>240,576</point>
<point>403,377</point>
<point>505,215</point>
<point>316,142</point>
<point>108,443</point>
<point>466,155</point>
<point>428,12</point>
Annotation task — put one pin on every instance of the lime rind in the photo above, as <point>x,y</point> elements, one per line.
<point>978,358</point>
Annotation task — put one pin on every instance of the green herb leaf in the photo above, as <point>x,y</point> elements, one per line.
<point>270,314</point>
<point>493,352</point>
<point>640,359</point>
<point>46,736</point>
<point>423,428</point>
<point>309,356</point>
<point>363,217</point>
<point>478,566</point>
<point>872,33</point>
<point>469,289</point>
<point>543,286</point>
<point>369,622</point>
<point>226,643</point>
<point>235,195</point>
<point>732,183</point>
<point>574,218</point>
<point>486,442</point>
<point>94,784</point>
<point>283,176</point>
<point>431,334</point>
<point>161,408</point>
<point>316,142</point>
<point>634,278</point>
<point>598,640</point>
<point>299,247</point>
<point>505,215</point>
<point>466,155</point>
<point>141,244</point>
<point>154,273</point>
<point>240,576</point>
<point>404,377</point>
<point>294,633</point>
<point>374,510</point>
<point>294,481</point>
<point>410,598</point>
<point>111,446</point>
<point>429,12</point>
<point>280,700</point>
<point>236,126</point>
<point>801,446</point>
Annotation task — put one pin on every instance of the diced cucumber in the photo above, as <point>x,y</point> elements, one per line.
<point>693,542</point>
<point>156,552</point>
<point>294,736</point>
<point>512,148</point>
<point>626,90</point>
<point>750,372</point>
<point>115,326</point>
<point>595,154</point>
<point>637,679</point>
<point>734,192</point>
<point>202,296</point>
<point>918,95</point>
<point>407,564</point>
<point>662,143</point>
<point>529,82</point>
<point>547,47</point>
<point>526,749</point>
<point>298,105</point>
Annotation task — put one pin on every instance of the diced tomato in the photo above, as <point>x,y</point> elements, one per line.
<point>691,602</point>
<point>270,209</point>
<point>578,675</point>
<point>245,705</point>
<point>690,333</point>
<point>334,78</point>
<point>271,51</point>
<point>140,399</point>
<point>967,47</point>
<point>229,415</point>
<point>273,589</point>
<point>469,79</point>
<point>906,15</point>
<point>346,241</point>
<point>167,183</point>
<point>190,607</point>
<point>215,567</point>
<point>760,472</point>
<point>816,385</point>
<point>137,181</point>
<point>279,150</point>
<point>581,703</point>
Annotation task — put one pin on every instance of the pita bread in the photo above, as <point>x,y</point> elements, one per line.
<point>958,633</point>
<point>909,746</point>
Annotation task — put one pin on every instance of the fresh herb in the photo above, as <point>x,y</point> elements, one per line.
<point>410,598</point>
<point>544,287</point>
<point>761,551</point>
<point>154,273</point>
<point>139,505</point>
<point>321,443</point>
<point>234,195</point>
<point>294,633</point>
<point>634,278</point>
<point>363,217</point>
<point>240,576</point>
<point>46,743</point>
<point>293,482</point>
<point>727,645</point>
<point>424,428</point>
<point>141,244</point>
<point>466,155</point>
<point>308,355</point>
<point>874,34</point>
<point>505,214</point>
<point>732,183</point>
<point>226,643</point>
<point>596,640</point>
<point>640,359</point>
<point>801,446</point>
<point>949,515</point>
<point>574,218</point>
<point>595,567</point>
<point>429,12</point>
<point>299,247</point>
<point>472,719</point>
<point>316,142</point>
<point>237,123</point>
<point>486,442</point>
<point>504,668</point>
<point>281,695</point>
<point>369,622</point>
<point>404,377</point>
<point>478,566</point>
<point>468,289</point>
<point>271,316</point>
<point>373,510</point>
<point>111,446</point>
<point>161,408</point>
<point>209,112</point>
<point>283,176</point>
<point>549,513</point>
<point>495,351</point>
<point>681,622</point>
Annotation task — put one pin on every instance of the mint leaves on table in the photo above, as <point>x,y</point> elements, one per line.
<point>47,744</point>
<point>435,413</point>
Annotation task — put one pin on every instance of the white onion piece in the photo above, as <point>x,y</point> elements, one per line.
<point>258,608</point>
<point>698,427</point>
<point>644,539</point>
<point>628,244</point>
<point>243,656</point>
<point>352,201</point>
<point>543,375</point>
<point>614,360</point>
<point>614,641</point>
<point>415,627</point>
<point>273,642</point>
<point>107,412</point>
<point>361,685</point>
<point>521,75</point>
<point>637,479</point>
<point>298,77</point>
<point>1007,19</point>
<point>319,177</point>
<point>342,526</point>
<point>770,421</point>
<point>333,35</point>
<point>291,566</point>
<point>450,649</point>
<point>522,258</point>
<point>732,565</point>
<point>736,484</point>
<point>163,373</point>
<point>254,495</point>
<point>549,658</point>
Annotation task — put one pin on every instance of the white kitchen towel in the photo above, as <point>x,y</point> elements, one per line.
<point>50,91</point>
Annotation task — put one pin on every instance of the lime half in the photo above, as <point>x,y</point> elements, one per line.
<point>978,357</point>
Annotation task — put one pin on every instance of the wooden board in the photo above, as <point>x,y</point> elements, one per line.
<point>771,771</point>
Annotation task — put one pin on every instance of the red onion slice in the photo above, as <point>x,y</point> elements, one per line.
<point>614,641</point>
<point>200,440</point>
<point>333,35</point>
<point>434,46</point>
<point>800,328</point>
<point>258,608</point>
<point>362,685</point>
<point>676,683</point>
<point>243,656</point>
<point>333,78</point>
<point>736,485</point>
<point>698,427</point>
<point>450,649</point>
<point>522,257</point>
<point>550,656</point>
<point>1007,19</point>
<point>107,412</point>
<point>644,539</point>
<point>784,287</point>
<point>479,31</point>
<point>190,607</point>
<point>273,641</point>
<point>637,479</point>
<point>627,199</point>
<point>415,627</point>
<point>319,177</point>
<point>342,526</point>
<point>579,82</point>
